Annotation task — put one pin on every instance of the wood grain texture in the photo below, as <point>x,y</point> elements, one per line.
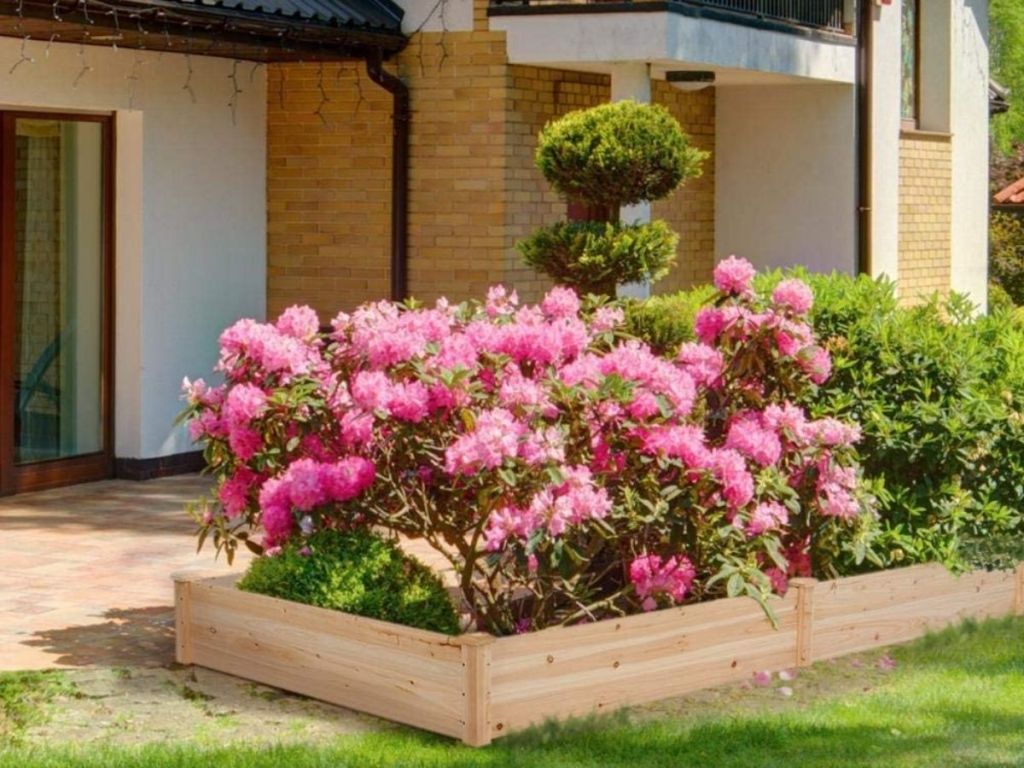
<point>403,674</point>
<point>804,589</point>
<point>863,612</point>
<point>1018,597</point>
<point>562,672</point>
<point>183,622</point>
<point>476,662</point>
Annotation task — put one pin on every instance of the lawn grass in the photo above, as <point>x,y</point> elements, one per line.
<point>955,699</point>
<point>23,699</point>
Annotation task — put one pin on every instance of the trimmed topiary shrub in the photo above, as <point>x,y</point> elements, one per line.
<point>616,154</point>
<point>602,159</point>
<point>356,572</point>
<point>595,256</point>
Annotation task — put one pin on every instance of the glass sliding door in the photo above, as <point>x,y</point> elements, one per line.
<point>54,299</point>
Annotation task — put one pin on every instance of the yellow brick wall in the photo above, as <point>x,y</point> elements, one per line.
<point>690,210</point>
<point>457,238</point>
<point>474,190</point>
<point>329,178</point>
<point>328,188</point>
<point>924,216</point>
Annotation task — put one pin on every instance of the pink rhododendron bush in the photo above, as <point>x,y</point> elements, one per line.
<point>567,472</point>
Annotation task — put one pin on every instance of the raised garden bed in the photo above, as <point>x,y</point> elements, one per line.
<point>477,687</point>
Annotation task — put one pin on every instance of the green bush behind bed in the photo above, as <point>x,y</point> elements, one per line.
<point>939,394</point>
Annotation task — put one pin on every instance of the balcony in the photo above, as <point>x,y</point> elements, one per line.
<point>778,15</point>
<point>743,42</point>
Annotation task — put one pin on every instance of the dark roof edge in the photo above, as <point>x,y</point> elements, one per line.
<point>373,35</point>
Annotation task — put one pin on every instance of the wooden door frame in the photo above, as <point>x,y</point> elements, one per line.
<point>93,466</point>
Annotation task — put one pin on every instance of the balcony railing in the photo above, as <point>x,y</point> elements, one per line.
<point>818,14</point>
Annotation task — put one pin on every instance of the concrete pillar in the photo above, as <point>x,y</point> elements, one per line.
<point>969,126</point>
<point>885,150</point>
<point>632,80</point>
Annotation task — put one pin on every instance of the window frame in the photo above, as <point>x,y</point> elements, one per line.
<point>913,121</point>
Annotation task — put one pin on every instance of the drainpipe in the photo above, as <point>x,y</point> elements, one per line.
<point>865,88</point>
<point>400,119</point>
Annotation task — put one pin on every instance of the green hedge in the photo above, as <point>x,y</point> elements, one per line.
<point>937,392</point>
<point>939,395</point>
<point>356,572</point>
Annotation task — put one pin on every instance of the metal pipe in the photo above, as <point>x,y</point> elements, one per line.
<point>865,142</point>
<point>400,119</point>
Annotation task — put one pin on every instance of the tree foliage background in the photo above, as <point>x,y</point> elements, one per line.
<point>1006,38</point>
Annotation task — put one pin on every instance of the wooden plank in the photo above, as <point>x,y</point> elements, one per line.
<point>390,672</point>
<point>598,667</point>
<point>538,696</point>
<point>849,595</point>
<point>804,619</point>
<point>866,629</point>
<point>476,660</point>
<point>221,592</point>
<point>722,613</point>
<point>183,622</point>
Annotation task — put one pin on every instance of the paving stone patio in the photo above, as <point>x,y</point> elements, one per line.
<point>84,572</point>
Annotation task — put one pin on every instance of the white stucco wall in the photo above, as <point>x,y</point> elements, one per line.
<point>191,200</point>
<point>436,15</point>
<point>885,150</point>
<point>785,163</point>
<point>969,125</point>
<point>665,38</point>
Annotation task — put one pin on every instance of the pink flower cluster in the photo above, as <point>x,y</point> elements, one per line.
<point>494,438</point>
<point>262,351</point>
<point>794,296</point>
<point>734,276</point>
<point>307,484</point>
<point>767,516</point>
<point>556,508</point>
<point>653,576</point>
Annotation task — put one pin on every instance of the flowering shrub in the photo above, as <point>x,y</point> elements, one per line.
<point>567,472</point>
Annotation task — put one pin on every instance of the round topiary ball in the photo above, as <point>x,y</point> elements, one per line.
<point>617,154</point>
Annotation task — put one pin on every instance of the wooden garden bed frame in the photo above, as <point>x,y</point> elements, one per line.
<point>477,687</point>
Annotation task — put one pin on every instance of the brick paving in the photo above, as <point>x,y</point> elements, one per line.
<point>85,572</point>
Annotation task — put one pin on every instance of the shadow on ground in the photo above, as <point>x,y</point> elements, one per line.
<point>138,637</point>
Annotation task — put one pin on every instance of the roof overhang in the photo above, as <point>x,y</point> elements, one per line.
<point>197,28</point>
<point>668,38</point>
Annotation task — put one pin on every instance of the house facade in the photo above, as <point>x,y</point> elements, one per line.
<point>168,166</point>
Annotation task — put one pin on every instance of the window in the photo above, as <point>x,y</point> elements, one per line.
<point>910,60</point>
<point>55,299</point>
